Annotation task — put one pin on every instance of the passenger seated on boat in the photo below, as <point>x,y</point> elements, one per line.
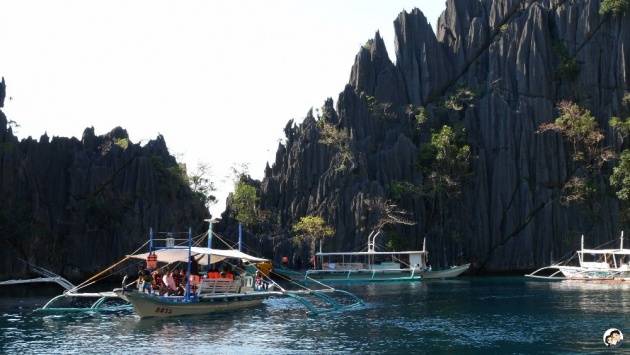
<point>168,284</point>
<point>214,273</point>
<point>144,279</point>
<point>260,284</point>
<point>184,279</point>
<point>227,272</point>
<point>177,276</point>
<point>156,282</point>
<point>194,283</point>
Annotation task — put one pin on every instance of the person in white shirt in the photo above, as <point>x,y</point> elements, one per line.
<point>168,284</point>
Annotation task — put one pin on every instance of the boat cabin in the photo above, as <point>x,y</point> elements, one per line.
<point>371,260</point>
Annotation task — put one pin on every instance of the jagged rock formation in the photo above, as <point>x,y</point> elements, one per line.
<point>520,58</point>
<point>76,207</point>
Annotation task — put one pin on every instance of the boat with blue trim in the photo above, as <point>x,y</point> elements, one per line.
<point>370,265</point>
<point>202,292</point>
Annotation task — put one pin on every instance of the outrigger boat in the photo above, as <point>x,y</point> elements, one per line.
<point>593,265</point>
<point>369,266</point>
<point>203,295</point>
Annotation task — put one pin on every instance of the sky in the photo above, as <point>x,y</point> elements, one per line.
<point>218,79</point>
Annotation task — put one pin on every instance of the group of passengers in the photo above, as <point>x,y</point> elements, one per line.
<point>171,283</point>
<point>225,272</point>
<point>163,281</point>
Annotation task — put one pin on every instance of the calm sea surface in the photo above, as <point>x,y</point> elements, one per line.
<point>467,315</point>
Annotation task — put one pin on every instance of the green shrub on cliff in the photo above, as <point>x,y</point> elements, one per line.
<point>614,7</point>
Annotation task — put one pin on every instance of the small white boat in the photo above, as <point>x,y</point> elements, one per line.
<point>593,265</point>
<point>205,295</point>
<point>369,266</point>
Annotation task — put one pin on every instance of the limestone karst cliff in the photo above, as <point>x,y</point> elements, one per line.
<point>75,207</point>
<point>495,68</point>
<point>495,71</point>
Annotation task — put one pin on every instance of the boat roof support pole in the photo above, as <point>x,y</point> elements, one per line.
<point>209,240</point>
<point>189,257</point>
<point>240,236</point>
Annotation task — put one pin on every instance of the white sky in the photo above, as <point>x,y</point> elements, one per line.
<point>218,79</point>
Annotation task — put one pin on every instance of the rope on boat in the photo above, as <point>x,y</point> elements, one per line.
<point>88,281</point>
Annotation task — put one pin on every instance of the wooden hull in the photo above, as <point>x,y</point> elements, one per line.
<point>146,305</point>
<point>446,273</point>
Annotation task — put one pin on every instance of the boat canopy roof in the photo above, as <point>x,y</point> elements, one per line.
<point>171,255</point>
<point>362,253</point>
<point>605,251</point>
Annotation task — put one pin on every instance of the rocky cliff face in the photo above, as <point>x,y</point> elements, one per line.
<point>519,58</point>
<point>78,206</point>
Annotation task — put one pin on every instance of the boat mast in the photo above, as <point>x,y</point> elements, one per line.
<point>372,245</point>
<point>150,240</point>
<point>423,258</point>
<point>210,223</point>
<point>581,255</point>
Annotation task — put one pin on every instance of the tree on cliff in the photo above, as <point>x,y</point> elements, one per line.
<point>580,128</point>
<point>201,185</point>
<point>245,199</point>
<point>445,161</point>
<point>336,137</point>
<point>312,229</point>
<point>614,7</point>
<point>244,203</point>
<point>620,177</point>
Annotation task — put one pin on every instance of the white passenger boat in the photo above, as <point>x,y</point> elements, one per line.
<point>370,265</point>
<point>601,264</point>
<point>205,295</point>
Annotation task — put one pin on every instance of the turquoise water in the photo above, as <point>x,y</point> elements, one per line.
<point>468,315</point>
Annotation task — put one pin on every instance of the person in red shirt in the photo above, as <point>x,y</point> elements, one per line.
<point>285,262</point>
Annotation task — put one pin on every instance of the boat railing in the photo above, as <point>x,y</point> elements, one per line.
<point>213,286</point>
<point>595,265</point>
<point>344,266</point>
<point>358,271</point>
<point>248,281</point>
